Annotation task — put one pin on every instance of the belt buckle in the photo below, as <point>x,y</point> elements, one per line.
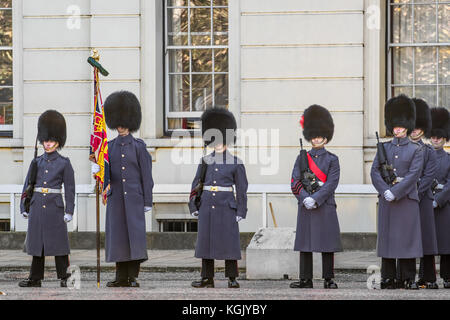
<point>44,190</point>
<point>214,189</point>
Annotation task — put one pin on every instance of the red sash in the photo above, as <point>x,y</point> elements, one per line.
<point>315,169</point>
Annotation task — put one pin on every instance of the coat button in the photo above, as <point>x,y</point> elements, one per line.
<point>123,168</point>
<point>123,180</point>
<point>396,157</point>
<point>123,156</point>
<point>395,169</point>
<point>45,182</point>
<point>213,207</point>
<point>44,206</point>
<point>217,169</point>
<point>46,171</point>
<point>125,193</point>
<point>215,182</point>
<point>214,194</point>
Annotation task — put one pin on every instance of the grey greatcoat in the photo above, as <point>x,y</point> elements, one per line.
<point>318,229</point>
<point>47,230</point>
<point>442,212</point>
<point>130,177</point>
<point>427,221</point>
<point>218,232</point>
<point>399,229</point>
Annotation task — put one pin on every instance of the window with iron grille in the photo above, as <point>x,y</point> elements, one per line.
<point>419,50</point>
<point>5,225</point>
<point>196,60</point>
<point>178,225</point>
<point>6,68</point>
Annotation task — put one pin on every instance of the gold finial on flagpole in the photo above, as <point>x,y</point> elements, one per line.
<point>95,54</point>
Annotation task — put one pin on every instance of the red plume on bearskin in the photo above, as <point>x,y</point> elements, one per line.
<point>302,122</point>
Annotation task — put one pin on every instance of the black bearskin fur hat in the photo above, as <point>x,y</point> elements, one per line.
<point>52,127</point>
<point>122,109</point>
<point>423,117</point>
<point>400,112</point>
<point>441,123</point>
<point>317,122</point>
<point>222,120</point>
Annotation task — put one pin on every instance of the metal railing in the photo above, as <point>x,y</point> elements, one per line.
<point>185,189</point>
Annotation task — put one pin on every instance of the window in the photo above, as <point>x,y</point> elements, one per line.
<point>419,50</point>
<point>5,225</point>
<point>178,225</point>
<point>6,66</point>
<point>196,60</point>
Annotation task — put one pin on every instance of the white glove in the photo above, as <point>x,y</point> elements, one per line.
<point>389,196</point>
<point>25,215</point>
<point>309,203</point>
<point>435,204</point>
<point>67,218</point>
<point>238,219</point>
<point>148,209</point>
<point>95,168</point>
<point>194,214</point>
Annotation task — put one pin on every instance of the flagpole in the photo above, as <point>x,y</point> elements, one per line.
<point>94,61</point>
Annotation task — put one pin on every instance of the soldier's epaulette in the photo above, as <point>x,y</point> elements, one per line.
<point>416,144</point>
<point>332,154</point>
<point>140,141</point>
<point>64,158</point>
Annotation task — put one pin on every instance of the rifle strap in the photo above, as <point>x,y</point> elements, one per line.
<point>315,169</point>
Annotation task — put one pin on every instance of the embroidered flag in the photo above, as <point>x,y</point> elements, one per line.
<point>99,140</point>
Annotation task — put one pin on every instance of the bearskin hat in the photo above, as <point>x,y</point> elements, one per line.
<point>317,122</point>
<point>441,123</point>
<point>218,120</point>
<point>423,117</point>
<point>122,109</point>
<point>400,112</point>
<point>52,127</point>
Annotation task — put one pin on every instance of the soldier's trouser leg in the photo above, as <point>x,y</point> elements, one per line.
<point>207,268</point>
<point>427,270</point>
<point>445,267</point>
<point>327,265</point>
<point>37,268</point>
<point>62,263</point>
<point>121,271</point>
<point>133,269</point>
<point>306,265</point>
<point>388,268</point>
<point>231,269</point>
<point>408,269</point>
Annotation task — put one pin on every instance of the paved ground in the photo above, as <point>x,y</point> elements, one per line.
<point>176,286</point>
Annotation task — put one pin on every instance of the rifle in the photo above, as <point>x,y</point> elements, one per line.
<point>386,170</point>
<point>29,190</point>
<point>308,179</point>
<point>199,187</point>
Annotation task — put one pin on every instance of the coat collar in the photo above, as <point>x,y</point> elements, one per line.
<point>317,152</point>
<point>125,139</point>
<point>51,156</point>
<point>400,141</point>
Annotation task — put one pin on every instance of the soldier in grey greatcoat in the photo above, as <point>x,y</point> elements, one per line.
<point>440,135</point>
<point>317,222</point>
<point>47,217</point>
<point>128,188</point>
<point>399,227</point>
<point>427,275</point>
<point>219,209</point>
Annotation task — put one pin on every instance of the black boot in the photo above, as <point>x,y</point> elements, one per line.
<point>118,284</point>
<point>233,284</point>
<point>204,283</point>
<point>411,285</point>
<point>447,284</point>
<point>329,284</point>
<point>431,285</point>
<point>28,283</point>
<point>389,284</point>
<point>133,283</point>
<point>302,284</point>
